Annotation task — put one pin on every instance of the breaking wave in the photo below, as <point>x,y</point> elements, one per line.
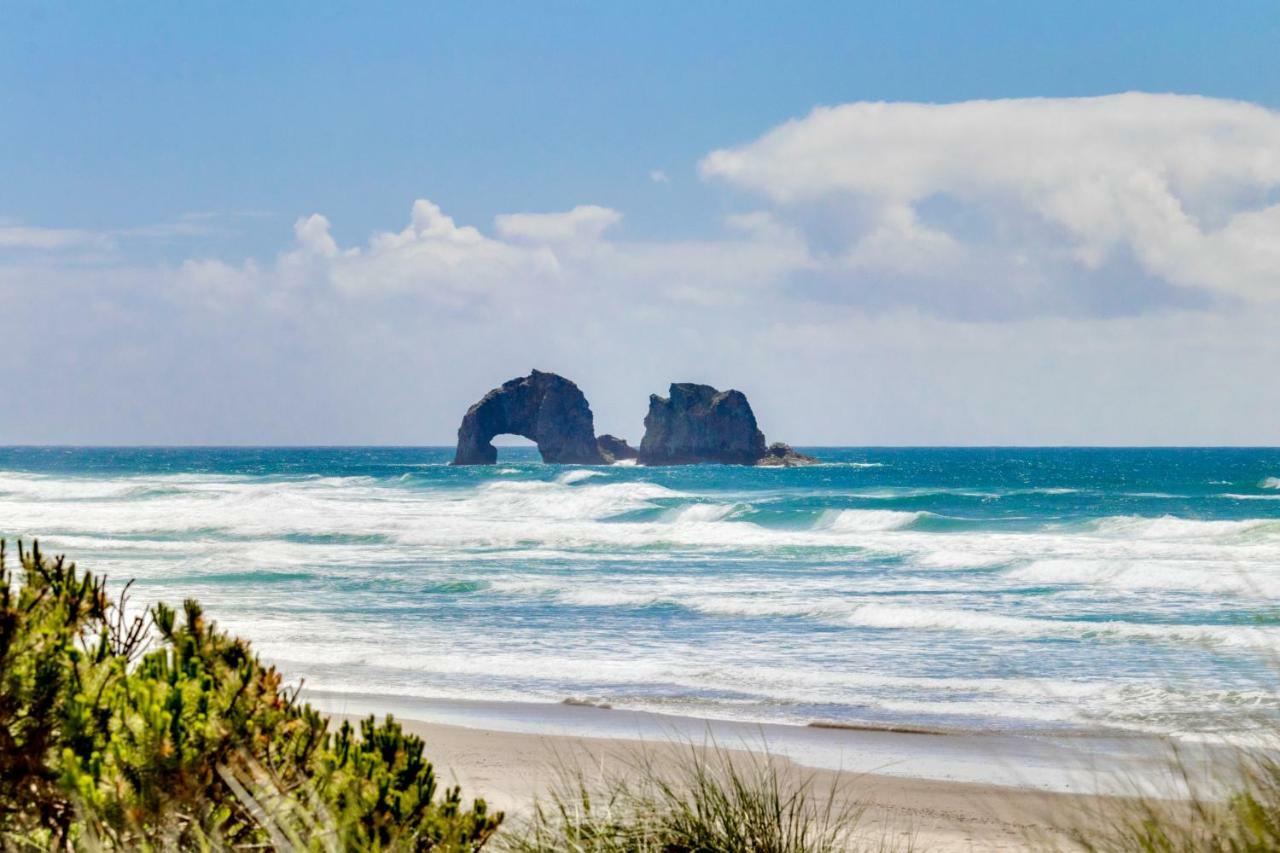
<point>570,477</point>
<point>858,520</point>
<point>1170,527</point>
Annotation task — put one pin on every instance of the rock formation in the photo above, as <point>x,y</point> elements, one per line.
<point>615,449</point>
<point>543,407</point>
<point>697,423</point>
<point>780,455</point>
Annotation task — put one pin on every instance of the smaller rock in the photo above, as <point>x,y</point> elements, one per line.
<point>780,455</point>
<point>615,449</point>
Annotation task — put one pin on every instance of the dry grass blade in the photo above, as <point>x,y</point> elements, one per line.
<point>706,799</point>
<point>1231,807</point>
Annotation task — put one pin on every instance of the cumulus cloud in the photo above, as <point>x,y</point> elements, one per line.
<point>1183,186</point>
<point>433,258</point>
<point>545,259</point>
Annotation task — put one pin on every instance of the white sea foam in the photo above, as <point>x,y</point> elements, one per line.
<point>741,684</point>
<point>889,616</point>
<point>944,558</point>
<point>862,520</point>
<point>702,512</point>
<point>1270,483</point>
<point>1179,575</point>
<point>577,476</point>
<point>607,598</point>
<point>1170,527</point>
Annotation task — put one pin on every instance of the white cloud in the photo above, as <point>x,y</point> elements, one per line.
<point>659,177</point>
<point>1184,185</point>
<point>51,239</point>
<point>16,236</point>
<point>312,233</point>
<point>584,222</point>
<point>433,258</point>
<point>535,259</point>
<point>1050,229</point>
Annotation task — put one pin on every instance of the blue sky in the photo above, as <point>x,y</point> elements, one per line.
<point>123,116</point>
<point>151,144</point>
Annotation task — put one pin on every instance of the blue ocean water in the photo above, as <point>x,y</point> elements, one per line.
<point>992,589</point>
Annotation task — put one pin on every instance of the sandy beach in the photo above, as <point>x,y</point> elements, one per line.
<point>512,769</point>
<point>926,791</point>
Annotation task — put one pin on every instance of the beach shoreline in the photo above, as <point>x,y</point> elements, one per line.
<point>1101,762</point>
<point>513,770</point>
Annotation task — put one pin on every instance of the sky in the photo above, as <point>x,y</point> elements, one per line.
<point>907,223</point>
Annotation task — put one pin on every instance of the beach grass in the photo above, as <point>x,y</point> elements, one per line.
<point>705,798</point>
<point>1222,807</point>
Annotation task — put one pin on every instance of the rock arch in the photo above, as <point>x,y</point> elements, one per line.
<point>543,407</point>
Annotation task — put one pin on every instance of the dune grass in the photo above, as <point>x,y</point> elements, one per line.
<point>1223,808</point>
<point>707,799</point>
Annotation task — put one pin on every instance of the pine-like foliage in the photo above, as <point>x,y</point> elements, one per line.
<point>161,732</point>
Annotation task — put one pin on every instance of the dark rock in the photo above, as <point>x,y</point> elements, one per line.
<point>543,407</point>
<point>779,455</point>
<point>697,423</point>
<point>614,449</point>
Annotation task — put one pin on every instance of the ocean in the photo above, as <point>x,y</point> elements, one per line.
<point>987,589</point>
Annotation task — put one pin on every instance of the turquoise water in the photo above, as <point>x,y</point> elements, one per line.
<point>992,589</point>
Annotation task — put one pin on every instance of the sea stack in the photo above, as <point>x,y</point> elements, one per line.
<point>697,423</point>
<point>615,449</point>
<point>543,407</point>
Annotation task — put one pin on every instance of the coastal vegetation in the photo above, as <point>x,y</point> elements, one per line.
<point>158,731</point>
<point>707,799</point>
<point>1236,814</point>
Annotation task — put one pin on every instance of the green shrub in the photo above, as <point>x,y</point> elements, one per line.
<point>160,732</point>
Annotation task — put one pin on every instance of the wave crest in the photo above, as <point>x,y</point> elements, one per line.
<point>1172,527</point>
<point>866,520</point>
